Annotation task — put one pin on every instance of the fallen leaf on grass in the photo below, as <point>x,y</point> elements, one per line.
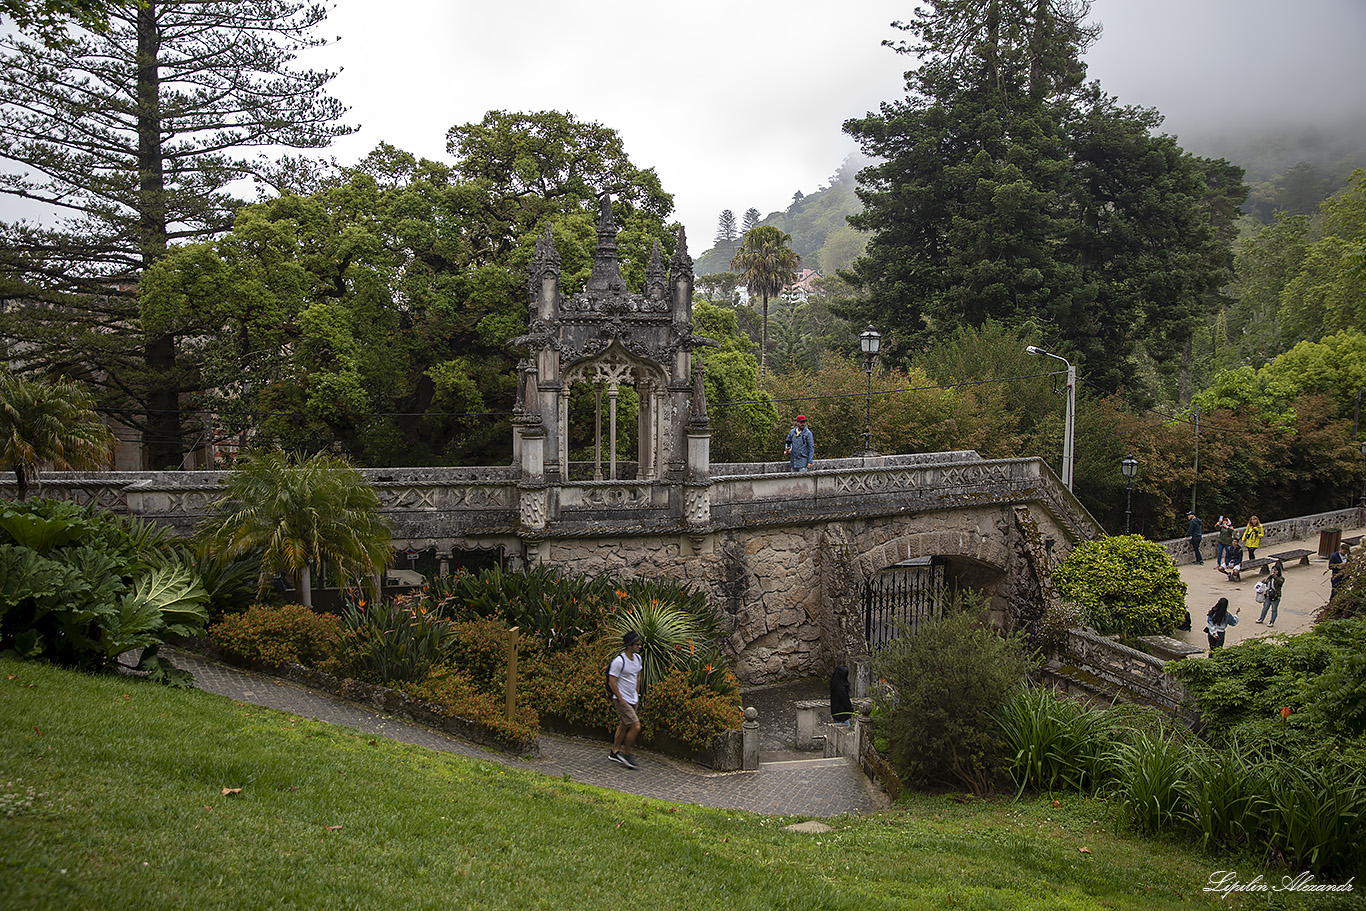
<point>229,792</point>
<point>333,828</point>
<point>373,743</point>
<point>1084,850</point>
<point>1057,803</point>
<point>37,731</point>
<point>10,676</point>
<point>126,696</point>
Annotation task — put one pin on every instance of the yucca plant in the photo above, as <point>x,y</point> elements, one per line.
<point>668,632</point>
<point>1150,773</point>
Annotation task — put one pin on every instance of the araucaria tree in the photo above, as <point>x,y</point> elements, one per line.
<point>1011,189</point>
<point>132,140</point>
<point>765,264</point>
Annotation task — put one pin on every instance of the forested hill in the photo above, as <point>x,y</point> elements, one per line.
<point>1287,170</point>
<point>1290,170</point>
<point>820,234</point>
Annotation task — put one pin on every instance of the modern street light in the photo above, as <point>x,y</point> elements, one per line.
<point>1129,465</point>
<point>870,341</point>
<point>1071,412</point>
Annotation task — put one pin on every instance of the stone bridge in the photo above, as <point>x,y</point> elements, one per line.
<point>782,554</point>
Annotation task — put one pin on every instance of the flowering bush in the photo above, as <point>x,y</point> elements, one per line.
<point>460,698</point>
<point>692,714</point>
<point>289,634</point>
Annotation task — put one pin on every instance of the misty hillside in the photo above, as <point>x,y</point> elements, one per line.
<point>816,221</point>
<point>1290,171</point>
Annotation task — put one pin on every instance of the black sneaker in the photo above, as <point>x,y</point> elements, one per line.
<point>628,760</point>
<point>616,757</point>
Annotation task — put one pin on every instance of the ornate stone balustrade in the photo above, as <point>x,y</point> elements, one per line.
<point>437,506</point>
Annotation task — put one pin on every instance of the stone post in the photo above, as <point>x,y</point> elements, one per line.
<point>749,737</point>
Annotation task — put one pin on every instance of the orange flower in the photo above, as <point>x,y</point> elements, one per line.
<point>621,594</point>
<point>1285,711</point>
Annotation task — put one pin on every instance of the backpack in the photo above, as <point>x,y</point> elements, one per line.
<point>607,676</point>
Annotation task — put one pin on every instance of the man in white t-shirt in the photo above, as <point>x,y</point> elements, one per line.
<point>623,678</point>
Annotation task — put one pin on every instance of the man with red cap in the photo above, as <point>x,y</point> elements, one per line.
<point>801,446</point>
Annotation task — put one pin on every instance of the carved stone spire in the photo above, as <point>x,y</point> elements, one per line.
<point>656,281</point>
<point>545,260</point>
<point>606,275</point>
<point>681,261</point>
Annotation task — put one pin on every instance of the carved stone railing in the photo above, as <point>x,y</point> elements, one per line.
<point>748,494</point>
<point>446,504</point>
<point>1110,669</point>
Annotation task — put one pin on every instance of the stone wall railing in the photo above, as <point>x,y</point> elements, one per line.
<point>429,505</point>
<point>1140,677</point>
<point>1280,532</point>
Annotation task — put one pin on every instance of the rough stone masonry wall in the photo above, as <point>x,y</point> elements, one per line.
<point>789,597</point>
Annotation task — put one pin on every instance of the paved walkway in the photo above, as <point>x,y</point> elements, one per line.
<point>1306,590</point>
<point>807,787</point>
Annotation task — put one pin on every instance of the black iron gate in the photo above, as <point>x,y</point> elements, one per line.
<point>898,600</point>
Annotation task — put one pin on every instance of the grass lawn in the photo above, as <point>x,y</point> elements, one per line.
<point>112,796</point>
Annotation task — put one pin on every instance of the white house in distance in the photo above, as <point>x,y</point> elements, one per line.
<point>800,290</point>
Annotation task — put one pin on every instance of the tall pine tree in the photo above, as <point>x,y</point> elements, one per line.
<point>132,140</point>
<point>1010,189</point>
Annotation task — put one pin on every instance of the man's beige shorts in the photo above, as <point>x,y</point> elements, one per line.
<point>627,713</point>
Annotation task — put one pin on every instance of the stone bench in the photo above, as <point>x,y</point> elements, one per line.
<point>1264,563</point>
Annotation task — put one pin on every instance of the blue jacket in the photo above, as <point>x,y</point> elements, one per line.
<point>803,449</point>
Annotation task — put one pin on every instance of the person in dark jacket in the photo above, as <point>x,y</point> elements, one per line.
<point>841,707</point>
<point>1193,532</point>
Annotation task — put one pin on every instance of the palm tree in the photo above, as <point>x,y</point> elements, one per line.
<point>49,422</point>
<point>299,511</point>
<point>765,265</point>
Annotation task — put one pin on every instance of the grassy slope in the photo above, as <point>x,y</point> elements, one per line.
<point>129,812</point>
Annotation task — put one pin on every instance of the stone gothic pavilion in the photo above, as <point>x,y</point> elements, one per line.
<point>603,339</point>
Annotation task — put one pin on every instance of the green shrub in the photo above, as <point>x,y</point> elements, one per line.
<point>1057,743</point>
<point>1305,694</point>
<point>1126,584</point>
<point>669,633</point>
<point>546,604</point>
<point>288,634</point>
<point>948,685</point>
<point>479,650</point>
<point>1225,793</point>
<point>82,586</point>
<point>568,685</point>
<point>1151,774</point>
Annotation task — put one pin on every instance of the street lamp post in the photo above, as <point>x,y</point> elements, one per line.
<point>1129,466</point>
<point>1071,412</point>
<point>1363,480</point>
<point>870,341</point>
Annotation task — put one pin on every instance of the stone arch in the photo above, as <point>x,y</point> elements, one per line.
<point>608,371</point>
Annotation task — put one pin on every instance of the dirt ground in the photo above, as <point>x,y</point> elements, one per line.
<point>1306,590</point>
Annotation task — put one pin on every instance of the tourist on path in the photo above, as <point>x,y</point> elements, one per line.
<point>1217,621</point>
<point>1337,566</point>
<point>1193,532</point>
<point>623,678</point>
<point>801,445</point>
<point>1233,562</point>
<point>1252,536</point>
<point>1271,601</point>
<point>1225,528</point>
